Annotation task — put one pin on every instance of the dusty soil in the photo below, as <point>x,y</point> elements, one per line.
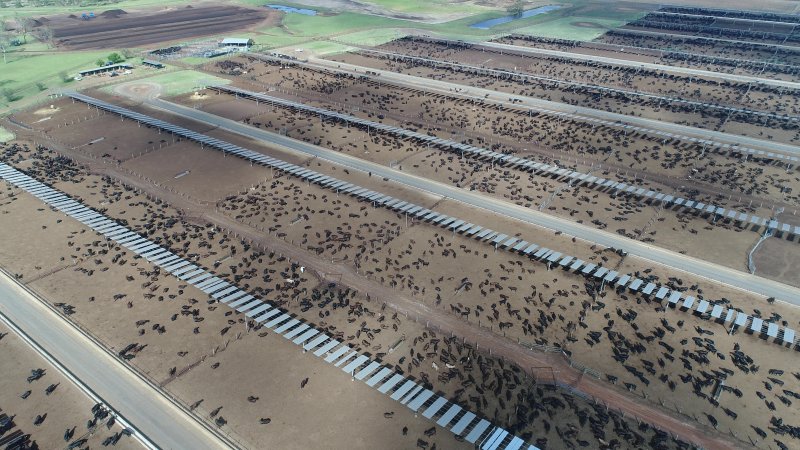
<point>674,229</point>
<point>209,352</point>
<point>654,353</point>
<point>741,58</point>
<point>64,408</point>
<point>698,25</point>
<point>729,49</point>
<point>672,86</point>
<point>785,6</point>
<point>551,298</point>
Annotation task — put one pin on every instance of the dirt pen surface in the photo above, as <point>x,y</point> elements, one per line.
<point>48,407</point>
<point>633,158</point>
<point>458,316</point>
<point>727,107</point>
<point>734,58</point>
<point>252,383</point>
<point>117,28</point>
<point>174,328</point>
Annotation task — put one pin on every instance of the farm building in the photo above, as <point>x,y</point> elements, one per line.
<point>154,64</point>
<point>238,43</point>
<point>104,69</point>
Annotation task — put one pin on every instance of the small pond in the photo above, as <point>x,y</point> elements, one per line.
<point>292,9</point>
<point>486,24</point>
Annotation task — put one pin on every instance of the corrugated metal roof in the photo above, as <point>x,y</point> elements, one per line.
<point>235,41</point>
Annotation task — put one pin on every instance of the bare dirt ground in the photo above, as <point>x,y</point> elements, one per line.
<point>410,271</point>
<point>767,31</point>
<point>625,215</point>
<point>207,345</point>
<point>623,103</point>
<point>729,49</point>
<point>454,314</point>
<point>61,408</point>
<point>785,6</point>
<point>117,28</point>
<point>629,47</point>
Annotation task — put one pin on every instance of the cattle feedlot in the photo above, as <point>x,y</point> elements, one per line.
<point>400,225</point>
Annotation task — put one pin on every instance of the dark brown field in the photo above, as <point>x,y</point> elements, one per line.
<point>120,29</point>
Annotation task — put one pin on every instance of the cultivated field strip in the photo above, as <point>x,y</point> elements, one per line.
<point>542,169</point>
<point>126,30</point>
<point>783,336</point>
<point>474,429</point>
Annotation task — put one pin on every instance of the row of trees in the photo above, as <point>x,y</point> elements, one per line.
<point>15,33</point>
<point>516,9</point>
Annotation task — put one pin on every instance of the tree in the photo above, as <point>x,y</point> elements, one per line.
<point>115,58</point>
<point>41,86</point>
<point>128,53</point>
<point>516,9</point>
<point>9,94</point>
<point>100,62</point>
<point>25,25</point>
<point>5,41</point>
<point>46,35</point>
<point>64,76</point>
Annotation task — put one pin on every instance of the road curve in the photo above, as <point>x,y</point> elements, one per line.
<point>651,66</point>
<point>674,260</point>
<point>153,415</point>
<point>448,88</point>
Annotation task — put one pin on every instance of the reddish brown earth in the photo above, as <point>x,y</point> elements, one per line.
<point>434,318</point>
<point>121,29</point>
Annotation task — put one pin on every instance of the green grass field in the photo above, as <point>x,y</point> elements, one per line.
<point>89,6</point>
<point>320,48</point>
<point>301,31</point>
<point>581,20</point>
<point>372,37</point>
<point>430,6</point>
<point>276,37</point>
<point>418,7</point>
<point>577,28</point>
<point>298,24</point>
<point>179,82</point>
<point>21,73</point>
<point>5,135</point>
<point>33,63</point>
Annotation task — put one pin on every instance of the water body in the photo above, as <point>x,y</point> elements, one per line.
<point>292,9</point>
<point>486,24</point>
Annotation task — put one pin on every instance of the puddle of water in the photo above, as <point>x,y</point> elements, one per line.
<point>486,24</point>
<point>292,9</point>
